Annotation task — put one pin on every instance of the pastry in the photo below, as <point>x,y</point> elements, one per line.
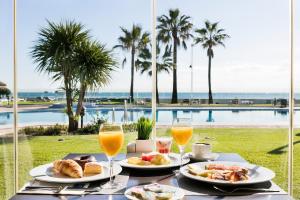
<point>68,167</point>
<point>82,160</point>
<point>92,168</point>
<point>150,159</point>
<point>160,159</point>
<point>134,160</point>
<point>138,161</point>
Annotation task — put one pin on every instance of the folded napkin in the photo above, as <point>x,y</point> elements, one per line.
<point>71,190</point>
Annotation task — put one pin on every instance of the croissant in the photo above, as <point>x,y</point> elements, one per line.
<point>68,167</point>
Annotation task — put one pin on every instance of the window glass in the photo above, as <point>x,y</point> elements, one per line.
<point>6,88</point>
<point>249,79</point>
<point>48,126</point>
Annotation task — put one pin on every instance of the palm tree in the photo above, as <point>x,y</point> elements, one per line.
<point>174,30</point>
<point>95,65</point>
<point>210,36</point>
<point>54,53</point>
<point>133,40</point>
<point>163,63</point>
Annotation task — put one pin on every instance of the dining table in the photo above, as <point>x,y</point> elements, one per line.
<point>193,189</point>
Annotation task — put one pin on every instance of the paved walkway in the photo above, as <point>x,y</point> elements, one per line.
<point>24,108</point>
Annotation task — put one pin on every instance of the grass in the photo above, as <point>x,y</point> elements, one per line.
<point>262,146</point>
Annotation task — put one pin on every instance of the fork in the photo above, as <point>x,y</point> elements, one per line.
<point>55,190</point>
<point>244,188</point>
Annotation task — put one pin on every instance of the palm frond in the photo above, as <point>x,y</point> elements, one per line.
<point>210,36</point>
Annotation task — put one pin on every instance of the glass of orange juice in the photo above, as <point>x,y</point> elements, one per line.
<point>181,131</point>
<point>111,139</point>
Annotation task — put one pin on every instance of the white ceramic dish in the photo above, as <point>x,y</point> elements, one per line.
<point>45,173</point>
<point>211,157</point>
<point>175,162</point>
<point>179,193</point>
<point>257,174</point>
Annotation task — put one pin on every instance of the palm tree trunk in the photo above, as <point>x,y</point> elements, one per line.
<point>174,92</point>
<point>157,95</point>
<point>132,74</point>
<point>210,98</point>
<point>80,102</point>
<point>71,117</point>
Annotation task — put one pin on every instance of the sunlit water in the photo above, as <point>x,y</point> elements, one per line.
<point>164,116</point>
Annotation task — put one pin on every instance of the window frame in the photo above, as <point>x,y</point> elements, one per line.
<point>153,42</point>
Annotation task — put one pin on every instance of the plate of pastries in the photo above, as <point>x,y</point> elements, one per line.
<point>153,160</point>
<point>76,170</point>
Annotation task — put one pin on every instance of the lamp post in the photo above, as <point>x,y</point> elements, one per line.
<point>82,113</point>
<point>192,77</point>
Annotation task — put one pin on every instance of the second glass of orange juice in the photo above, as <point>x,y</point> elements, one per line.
<point>182,132</point>
<point>111,139</point>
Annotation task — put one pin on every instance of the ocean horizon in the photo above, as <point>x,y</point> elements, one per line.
<point>165,95</point>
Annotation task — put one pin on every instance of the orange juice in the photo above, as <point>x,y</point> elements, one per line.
<point>182,135</point>
<point>111,142</point>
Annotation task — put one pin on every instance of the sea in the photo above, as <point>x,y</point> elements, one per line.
<point>163,95</point>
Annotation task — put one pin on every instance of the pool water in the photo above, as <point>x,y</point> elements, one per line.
<point>164,116</point>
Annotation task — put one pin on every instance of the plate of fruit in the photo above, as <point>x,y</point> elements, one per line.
<point>154,160</point>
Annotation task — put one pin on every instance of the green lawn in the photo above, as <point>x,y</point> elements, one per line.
<point>262,146</point>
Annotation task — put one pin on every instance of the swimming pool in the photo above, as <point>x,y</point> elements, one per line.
<point>165,116</point>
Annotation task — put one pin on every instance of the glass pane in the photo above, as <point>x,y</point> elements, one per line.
<point>6,87</point>
<point>248,114</point>
<point>45,131</point>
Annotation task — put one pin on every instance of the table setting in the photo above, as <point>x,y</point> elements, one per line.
<point>156,175</point>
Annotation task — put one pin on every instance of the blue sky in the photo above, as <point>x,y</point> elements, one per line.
<point>256,57</point>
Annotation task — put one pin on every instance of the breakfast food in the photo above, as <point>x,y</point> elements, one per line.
<point>92,168</point>
<point>72,169</point>
<point>82,160</point>
<point>137,161</point>
<point>163,144</point>
<point>223,167</point>
<point>150,159</point>
<point>68,167</point>
<point>152,192</point>
<point>220,172</point>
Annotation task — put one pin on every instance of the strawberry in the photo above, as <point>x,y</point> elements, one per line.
<point>146,157</point>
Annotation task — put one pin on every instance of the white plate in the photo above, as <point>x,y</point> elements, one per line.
<point>179,193</point>
<point>212,156</point>
<point>257,174</point>
<point>175,162</point>
<point>49,176</point>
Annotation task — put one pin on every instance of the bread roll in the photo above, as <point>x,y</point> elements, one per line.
<point>82,160</point>
<point>92,168</point>
<point>68,167</point>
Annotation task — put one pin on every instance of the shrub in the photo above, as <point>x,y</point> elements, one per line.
<point>41,130</point>
<point>88,129</point>
<point>127,128</point>
<point>144,128</point>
